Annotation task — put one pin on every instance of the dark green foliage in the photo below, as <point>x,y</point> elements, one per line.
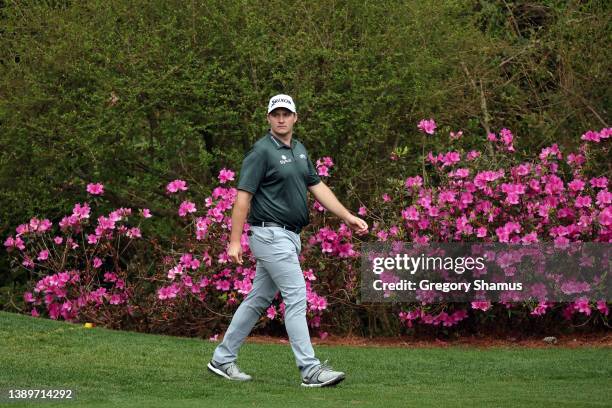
<point>136,94</point>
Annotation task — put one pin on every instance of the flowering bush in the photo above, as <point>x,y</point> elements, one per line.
<point>82,268</point>
<point>97,270</point>
<point>469,199</point>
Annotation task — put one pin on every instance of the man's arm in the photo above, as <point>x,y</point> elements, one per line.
<point>239,216</point>
<point>326,197</point>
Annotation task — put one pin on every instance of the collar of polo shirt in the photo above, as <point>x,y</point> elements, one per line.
<point>279,143</point>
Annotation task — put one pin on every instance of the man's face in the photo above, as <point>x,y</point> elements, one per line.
<point>281,121</point>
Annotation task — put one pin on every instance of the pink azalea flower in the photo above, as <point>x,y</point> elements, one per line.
<point>58,240</point>
<point>323,171</point>
<point>576,185</point>
<point>583,202</point>
<point>386,198</point>
<point>540,309</point>
<point>411,213</point>
<point>222,285</point>
<point>604,197</point>
<point>599,182</point>
<point>309,274</point>
<point>481,305</point>
<point>37,225</point>
<point>472,154</point>
<point>22,229</point>
<point>416,181</point>
<point>506,136</point>
<point>271,312</point>
<point>110,277</point>
<point>11,243</point>
<point>450,158</point>
<point>427,126</point>
<point>582,306</point>
<point>95,189</point>
<point>576,159</point>
<point>27,262</point>
<point>186,207</point>
<point>43,255</point>
<point>605,217</point>
<point>115,299</point>
<point>81,211</point>
<point>167,292</point>
<point>134,233</point>
<point>146,213</point>
<point>176,185</point>
<point>446,196</point>
<point>327,161</point>
<point>457,135</point>
<point>460,173</point>
<point>591,136</point>
<point>225,175</point>
<point>97,262</point>
<point>362,211</point>
<point>316,302</point>
<point>602,306</point>
<point>317,206</point>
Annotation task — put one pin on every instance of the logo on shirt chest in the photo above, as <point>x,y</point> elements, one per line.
<point>284,159</point>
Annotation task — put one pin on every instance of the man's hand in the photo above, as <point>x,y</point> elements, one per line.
<point>239,215</point>
<point>357,224</point>
<point>234,251</point>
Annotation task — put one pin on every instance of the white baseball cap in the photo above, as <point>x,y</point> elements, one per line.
<point>281,101</point>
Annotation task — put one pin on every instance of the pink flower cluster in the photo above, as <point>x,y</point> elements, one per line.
<point>427,126</point>
<point>176,186</point>
<point>443,318</point>
<point>66,293</point>
<point>323,166</point>
<point>63,295</point>
<point>596,137</point>
<point>335,243</point>
<point>95,188</point>
<point>226,175</point>
<point>526,204</point>
<point>505,139</point>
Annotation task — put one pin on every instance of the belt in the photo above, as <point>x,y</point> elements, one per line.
<point>274,224</point>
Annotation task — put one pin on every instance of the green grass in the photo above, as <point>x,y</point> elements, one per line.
<point>111,368</point>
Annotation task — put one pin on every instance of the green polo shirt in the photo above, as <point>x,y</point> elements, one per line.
<point>278,177</point>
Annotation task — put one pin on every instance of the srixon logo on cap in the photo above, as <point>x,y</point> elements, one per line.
<point>275,101</point>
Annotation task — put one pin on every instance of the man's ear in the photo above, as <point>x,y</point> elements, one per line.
<point>296,116</point>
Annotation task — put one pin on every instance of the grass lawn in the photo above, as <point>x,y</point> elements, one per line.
<point>121,369</point>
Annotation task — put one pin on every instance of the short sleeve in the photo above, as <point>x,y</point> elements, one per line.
<point>312,178</point>
<point>252,171</point>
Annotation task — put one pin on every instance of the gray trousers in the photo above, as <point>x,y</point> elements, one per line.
<point>278,268</point>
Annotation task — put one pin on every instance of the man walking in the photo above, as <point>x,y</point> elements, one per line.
<point>275,177</point>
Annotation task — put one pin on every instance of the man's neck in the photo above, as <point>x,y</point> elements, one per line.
<point>285,139</point>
